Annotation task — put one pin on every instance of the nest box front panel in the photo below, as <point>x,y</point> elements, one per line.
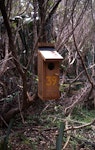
<point>48,72</point>
<point>51,84</point>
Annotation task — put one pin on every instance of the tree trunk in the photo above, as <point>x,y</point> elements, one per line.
<point>42,14</point>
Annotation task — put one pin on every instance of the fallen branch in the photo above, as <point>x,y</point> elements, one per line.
<point>80,127</point>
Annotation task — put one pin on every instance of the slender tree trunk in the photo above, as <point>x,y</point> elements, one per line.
<point>42,14</point>
<point>12,48</point>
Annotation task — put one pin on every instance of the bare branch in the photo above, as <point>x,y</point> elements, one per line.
<point>80,127</point>
<point>9,32</point>
<point>3,67</point>
<point>52,11</point>
<point>80,54</point>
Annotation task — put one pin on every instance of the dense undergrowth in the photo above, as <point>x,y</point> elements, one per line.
<point>40,131</point>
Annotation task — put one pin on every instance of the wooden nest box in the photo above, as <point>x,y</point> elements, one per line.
<point>48,72</point>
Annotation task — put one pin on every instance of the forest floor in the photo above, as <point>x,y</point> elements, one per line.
<point>38,130</point>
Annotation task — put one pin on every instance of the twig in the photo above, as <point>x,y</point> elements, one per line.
<point>45,108</point>
<point>80,127</point>
<point>65,145</point>
<point>49,129</point>
<point>4,62</point>
<point>19,105</point>
<point>5,122</point>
